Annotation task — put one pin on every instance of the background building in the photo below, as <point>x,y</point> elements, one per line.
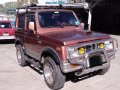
<point>24,2</point>
<point>1,8</point>
<point>10,7</point>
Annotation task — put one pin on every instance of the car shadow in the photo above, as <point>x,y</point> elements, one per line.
<point>7,41</point>
<point>71,77</point>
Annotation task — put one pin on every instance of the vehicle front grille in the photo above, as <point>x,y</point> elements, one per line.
<point>90,47</point>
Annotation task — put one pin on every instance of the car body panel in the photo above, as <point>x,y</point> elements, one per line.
<point>72,37</point>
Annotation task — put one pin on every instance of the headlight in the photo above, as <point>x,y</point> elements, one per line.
<point>108,45</point>
<point>73,53</point>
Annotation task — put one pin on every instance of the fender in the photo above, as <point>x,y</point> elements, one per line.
<point>48,51</point>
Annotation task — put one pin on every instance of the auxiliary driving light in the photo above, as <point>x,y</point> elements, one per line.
<point>101,45</point>
<point>81,51</point>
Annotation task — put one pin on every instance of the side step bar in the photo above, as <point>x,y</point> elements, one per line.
<point>33,62</point>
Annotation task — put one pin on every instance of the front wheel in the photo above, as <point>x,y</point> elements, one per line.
<point>53,76</point>
<point>105,70</point>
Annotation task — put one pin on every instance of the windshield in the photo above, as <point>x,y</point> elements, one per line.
<point>5,25</point>
<point>57,19</point>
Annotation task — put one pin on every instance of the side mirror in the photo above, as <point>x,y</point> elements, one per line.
<point>31,26</point>
<point>84,26</point>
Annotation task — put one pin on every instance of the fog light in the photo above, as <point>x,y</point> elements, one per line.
<point>81,51</point>
<point>101,45</point>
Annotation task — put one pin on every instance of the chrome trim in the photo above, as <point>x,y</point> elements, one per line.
<point>91,44</point>
<point>84,65</point>
<point>95,52</point>
<point>89,70</point>
<point>115,42</point>
<point>65,67</point>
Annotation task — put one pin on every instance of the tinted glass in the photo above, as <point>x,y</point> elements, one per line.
<point>56,19</point>
<point>21,21</point>
<point>5,25</point>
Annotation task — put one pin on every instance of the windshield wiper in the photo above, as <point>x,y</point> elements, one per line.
<point>54,26</point>
<point>59,25</point>
<point>71,25</point>
<point>48,26</point>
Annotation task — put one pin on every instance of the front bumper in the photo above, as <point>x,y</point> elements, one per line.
<point>7,37</point>
<point>84,65</point>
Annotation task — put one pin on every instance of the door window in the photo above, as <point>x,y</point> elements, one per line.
<point>21,19</point>
<point>30,18</point>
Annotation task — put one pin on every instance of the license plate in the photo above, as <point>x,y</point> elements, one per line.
<point>5,34</point>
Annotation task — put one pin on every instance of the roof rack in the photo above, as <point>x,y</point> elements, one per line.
<point>29,7</point>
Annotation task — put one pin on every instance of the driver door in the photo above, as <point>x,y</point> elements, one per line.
<point>31,39</point>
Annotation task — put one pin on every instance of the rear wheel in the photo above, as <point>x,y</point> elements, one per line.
<point>20,56</point>
<point>53,76</point>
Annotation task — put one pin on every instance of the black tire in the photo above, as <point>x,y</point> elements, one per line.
<point>53,76</point>
<point>20,56</point>
<point>105,70</point>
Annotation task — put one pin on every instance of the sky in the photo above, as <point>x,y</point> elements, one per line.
<point>4,1</point>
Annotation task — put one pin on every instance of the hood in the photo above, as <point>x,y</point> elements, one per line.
<point>73,37</point>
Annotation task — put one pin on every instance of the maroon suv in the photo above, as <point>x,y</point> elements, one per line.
<point>54,41</point>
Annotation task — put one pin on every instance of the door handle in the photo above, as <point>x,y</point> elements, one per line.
<point>39,42</point>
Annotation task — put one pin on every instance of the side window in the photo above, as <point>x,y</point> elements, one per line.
<point>30,18</point>
<point>21,19</point>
